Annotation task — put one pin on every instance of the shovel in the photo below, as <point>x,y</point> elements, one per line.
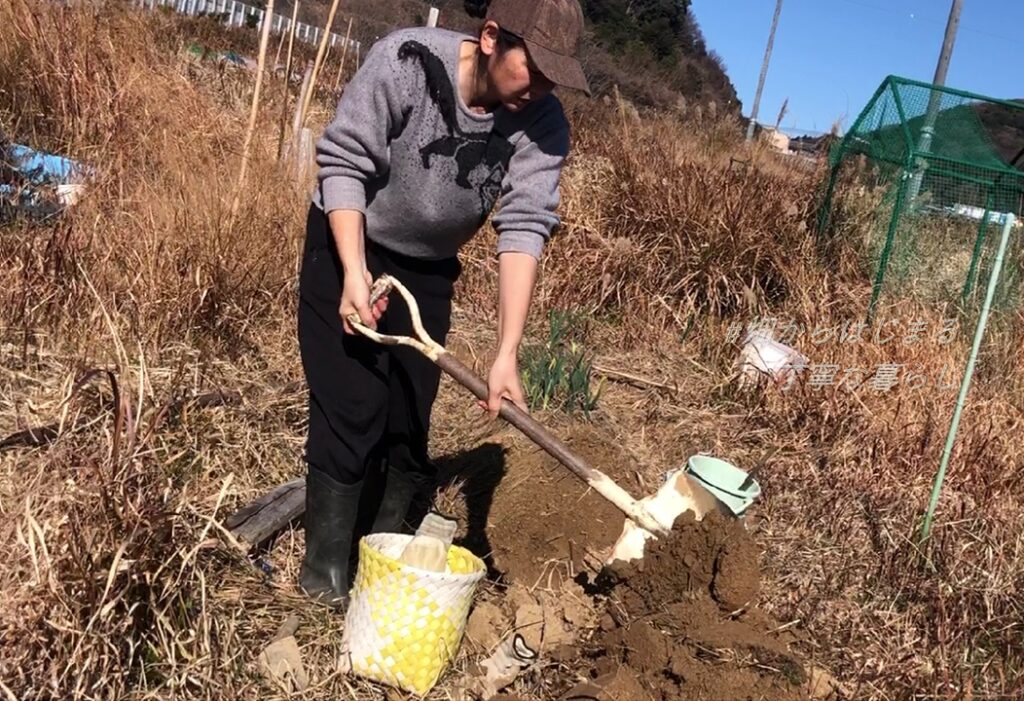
<point>601,483</point>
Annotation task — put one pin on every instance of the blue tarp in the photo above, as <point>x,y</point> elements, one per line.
<point>41,168</point>
<point>34,173</point>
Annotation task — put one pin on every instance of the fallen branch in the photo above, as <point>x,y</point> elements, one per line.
<point>634,380</point>
<point>39,436</point>
<point>44,435</point>
<point>32,437</point>
<point>262,519</point>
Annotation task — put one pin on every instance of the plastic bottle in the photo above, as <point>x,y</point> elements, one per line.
<point>428,550</point>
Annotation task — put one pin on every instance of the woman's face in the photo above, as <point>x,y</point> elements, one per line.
<point>513,79</point>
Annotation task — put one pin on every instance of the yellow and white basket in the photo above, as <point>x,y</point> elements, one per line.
<point>404,624</point>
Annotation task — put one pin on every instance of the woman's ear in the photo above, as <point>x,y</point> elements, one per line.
<point>489,38</point>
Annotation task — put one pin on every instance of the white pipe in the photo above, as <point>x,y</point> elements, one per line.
<point>432,17</point>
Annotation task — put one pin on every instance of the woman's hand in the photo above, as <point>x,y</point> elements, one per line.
<point>355,299</point>
<point>347,229</point>
<point>516,275</point>
<point>503,383</point>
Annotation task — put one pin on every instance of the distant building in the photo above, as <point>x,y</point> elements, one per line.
<point>776,139</point>
<point>812,145</point>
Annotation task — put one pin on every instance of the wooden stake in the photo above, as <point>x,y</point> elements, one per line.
<point>344,53</point>
<point>254,110</point>
<point>296,123</point>
<point>280,45</point>
<point>318,63</point>
<point>287,80</point>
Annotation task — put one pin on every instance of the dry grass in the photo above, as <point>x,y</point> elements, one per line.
<point>119,581</point>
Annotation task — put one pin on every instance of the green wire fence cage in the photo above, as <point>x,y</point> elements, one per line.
<point>935,171</point>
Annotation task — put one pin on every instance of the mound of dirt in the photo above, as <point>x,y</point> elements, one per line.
<point>715,555</point>
<point>681,624</point>
<point>544,523</point>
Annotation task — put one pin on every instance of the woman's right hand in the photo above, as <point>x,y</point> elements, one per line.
<point>355,299</point>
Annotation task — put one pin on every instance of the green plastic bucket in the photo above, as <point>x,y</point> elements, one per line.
<point>724,480</point>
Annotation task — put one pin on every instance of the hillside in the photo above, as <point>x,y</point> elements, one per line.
<point>1005,127</point>
<point>655,51</point>
<point>652,49</point>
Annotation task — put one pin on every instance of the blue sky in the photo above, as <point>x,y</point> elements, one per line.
<point>830,55</point>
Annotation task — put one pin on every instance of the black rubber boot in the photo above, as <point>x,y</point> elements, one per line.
<point>399,491</point>
<point>331,510</point>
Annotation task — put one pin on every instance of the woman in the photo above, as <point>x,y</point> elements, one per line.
<point>434,130</point>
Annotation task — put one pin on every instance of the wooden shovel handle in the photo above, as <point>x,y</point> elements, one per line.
<point>599,481</point>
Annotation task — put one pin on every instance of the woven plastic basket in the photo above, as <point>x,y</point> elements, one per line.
<point>404,624</point>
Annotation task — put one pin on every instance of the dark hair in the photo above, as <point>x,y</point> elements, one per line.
<point>477,8</point>
<point>506,39</point>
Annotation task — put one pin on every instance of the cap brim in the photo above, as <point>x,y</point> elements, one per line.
<point>559,69</point>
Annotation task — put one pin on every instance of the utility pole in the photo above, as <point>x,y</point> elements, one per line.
<point>764,71</point>
<point>935,99</point>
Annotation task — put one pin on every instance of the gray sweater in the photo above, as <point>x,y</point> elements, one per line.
<point>405,150</point>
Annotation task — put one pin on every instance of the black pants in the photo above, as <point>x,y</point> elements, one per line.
<point>367,402</point>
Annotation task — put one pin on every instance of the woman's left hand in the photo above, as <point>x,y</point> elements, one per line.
<point>503,383</point>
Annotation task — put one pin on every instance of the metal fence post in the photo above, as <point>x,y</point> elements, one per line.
<point>890,237</point>
<point>979,243</point>
<point>965,383</point>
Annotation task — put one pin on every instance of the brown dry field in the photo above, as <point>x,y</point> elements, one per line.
<point>120,582</point>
